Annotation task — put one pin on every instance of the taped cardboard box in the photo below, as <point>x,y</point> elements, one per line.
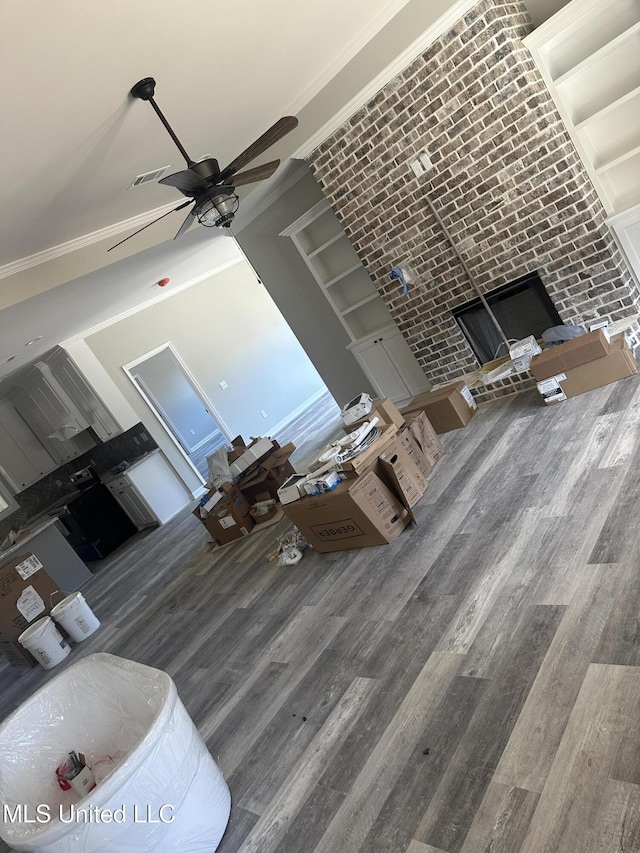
<point>357,514</point>
<point>230,518</point>
<point>566,356</point>
<point>385,410</point>
<point>270,474</point>
<point>368,458</point>
<point>399,470</point>
<point>617,364</point>
<point>447,408</point>
<point>427,437</point>
<point>27,593</point>
<point>414,451</point>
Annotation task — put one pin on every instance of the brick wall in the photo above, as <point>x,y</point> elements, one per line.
<point>507,182</point>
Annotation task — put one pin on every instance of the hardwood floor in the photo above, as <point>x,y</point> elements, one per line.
<point>473,687</point>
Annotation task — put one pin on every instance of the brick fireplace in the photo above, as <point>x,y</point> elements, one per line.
<point>507,182</point>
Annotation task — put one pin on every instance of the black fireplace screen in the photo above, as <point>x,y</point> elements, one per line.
<point>522,307</point>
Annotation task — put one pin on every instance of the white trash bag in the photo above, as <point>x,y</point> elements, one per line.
<point>161,791</point>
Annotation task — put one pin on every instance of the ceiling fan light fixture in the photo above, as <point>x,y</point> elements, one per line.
<point>218,207</point>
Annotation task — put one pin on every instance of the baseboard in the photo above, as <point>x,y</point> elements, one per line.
<point>279,427</point>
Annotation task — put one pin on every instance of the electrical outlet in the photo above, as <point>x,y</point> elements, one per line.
<point>144,436</point>
<point>58,482</point>
<point>192,431</point>
<point>263,413</point>
<point>223,385</point>
<point>136,440</point>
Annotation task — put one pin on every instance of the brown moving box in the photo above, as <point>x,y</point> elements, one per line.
<point>447,408</point>
<point>559,359</point>
<point>414,451</point>
<point>367,460</point>
<point>426,437</point>
<point>356,514</point>
<point>617,364</point>
<point>401,473</point>
<point>269,474</point>
<point>230,518</point>
<point>27,593</point>
<point>385,410</point>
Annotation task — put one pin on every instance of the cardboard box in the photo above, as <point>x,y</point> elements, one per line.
<point>447,408</point>
<point>27,593</point>
<point>230,518</point>
<point>270,474</point>
<point>414,451</point>
<point>401,473</point>
<point>356,514</point>
<point>368,458</point>
<point>385,410</point>
<point>617,364</point>
<point>257,450</point>
<point>426,436</point>
<point>566,356</point>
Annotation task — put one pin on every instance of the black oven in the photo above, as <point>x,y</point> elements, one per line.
<point>93,522</point>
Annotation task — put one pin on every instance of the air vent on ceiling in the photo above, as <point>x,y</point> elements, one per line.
<point>148,177</point>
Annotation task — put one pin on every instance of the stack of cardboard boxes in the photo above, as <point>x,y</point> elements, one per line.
<point>582,364</point>
<point>227,512</point>
<point>372,506</point>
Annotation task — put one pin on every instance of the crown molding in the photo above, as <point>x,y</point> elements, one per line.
<point>160,297</point>
<point>86,240</point>
<point>438,28</point>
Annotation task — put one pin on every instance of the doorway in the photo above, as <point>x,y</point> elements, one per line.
<point>170,389</point>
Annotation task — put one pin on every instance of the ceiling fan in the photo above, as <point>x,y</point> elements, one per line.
<point>211,190</point>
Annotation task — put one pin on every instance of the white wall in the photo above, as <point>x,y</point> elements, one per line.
<point>226,327</point>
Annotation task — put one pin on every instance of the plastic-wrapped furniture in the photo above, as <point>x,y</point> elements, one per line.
<point>162,790</point>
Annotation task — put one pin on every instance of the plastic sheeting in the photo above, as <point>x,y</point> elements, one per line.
<point>163,793</point>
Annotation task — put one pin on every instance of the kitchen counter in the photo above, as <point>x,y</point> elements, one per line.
<point>111,476</point>
<point>54,552</point>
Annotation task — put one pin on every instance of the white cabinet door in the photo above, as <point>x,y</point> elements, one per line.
<point>405,362</point>
<point>380,370</point>
<point>158,484</point>
<point>23,458</point>
<point>46,407</point>
<point>83,395</point>
<point>135,507</point>
<point>391,366</point>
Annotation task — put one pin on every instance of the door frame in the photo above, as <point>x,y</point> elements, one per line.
<point>130,372</point>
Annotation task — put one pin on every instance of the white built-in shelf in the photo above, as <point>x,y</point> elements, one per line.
<point>589,56</point>
<point>342,275</point>
<point>376,342</point>
<point>325,245</point>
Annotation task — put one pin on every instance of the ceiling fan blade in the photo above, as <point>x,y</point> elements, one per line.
<point>153,222</point>
<point>260,173</point>
<point>186,181</point>
<point>186,224</point>
<point>269,137</point>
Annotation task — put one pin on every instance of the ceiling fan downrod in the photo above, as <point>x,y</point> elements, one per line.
<point>144,90</point>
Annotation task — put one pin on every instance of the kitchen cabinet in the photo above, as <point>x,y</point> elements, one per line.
<point>51,415</point>
<point>390,366</point>
<point>82,395</point>
<point>23,458</point>
<point>376,341</point>
<point>589,56</point>
<point>149,491</point>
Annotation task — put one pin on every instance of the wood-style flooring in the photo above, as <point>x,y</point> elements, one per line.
<point>473,687</point>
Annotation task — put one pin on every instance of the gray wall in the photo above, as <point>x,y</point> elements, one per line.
<point>296,293</point>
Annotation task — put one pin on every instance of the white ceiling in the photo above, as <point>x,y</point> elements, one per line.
<point>73,138</point>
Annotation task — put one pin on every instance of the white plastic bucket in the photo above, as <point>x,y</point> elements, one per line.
<point>76,617</point>
<point>45,642</point>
